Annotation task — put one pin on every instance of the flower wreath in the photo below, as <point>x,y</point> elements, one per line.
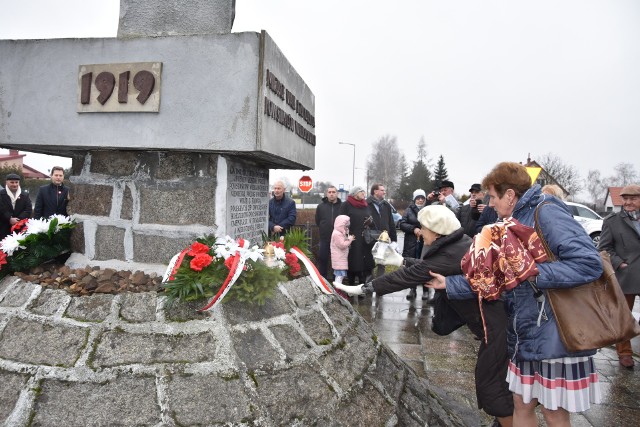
<point>33,242</point>
<point>216,267</point>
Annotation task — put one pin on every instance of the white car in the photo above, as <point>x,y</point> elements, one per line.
<point>590,221</point>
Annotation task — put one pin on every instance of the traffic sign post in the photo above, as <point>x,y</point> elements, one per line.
<point>305,184</point>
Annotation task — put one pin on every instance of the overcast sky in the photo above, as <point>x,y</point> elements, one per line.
<point>481,81</point>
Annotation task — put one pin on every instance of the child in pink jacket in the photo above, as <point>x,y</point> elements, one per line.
<point>340,242</point>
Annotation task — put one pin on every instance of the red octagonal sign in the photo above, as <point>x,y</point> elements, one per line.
<point>305,184</point>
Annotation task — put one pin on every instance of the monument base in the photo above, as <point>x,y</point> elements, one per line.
<point>141,207</point>
<point>303,358</point>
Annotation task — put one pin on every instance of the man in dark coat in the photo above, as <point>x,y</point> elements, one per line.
<point>620,237</point>
<point>382,215</point>
<point>282,210</point>
<point>15,204</point>
<point>468,214</point>
<point>326,214</point>
<point>52,198</point>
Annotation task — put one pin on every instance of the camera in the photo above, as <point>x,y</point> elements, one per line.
<point>436,194</point>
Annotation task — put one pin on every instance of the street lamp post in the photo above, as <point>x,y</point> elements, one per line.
<point>353,167</point>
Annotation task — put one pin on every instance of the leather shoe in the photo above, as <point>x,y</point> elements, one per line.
<point>627,361</point>
<point>412,294</point>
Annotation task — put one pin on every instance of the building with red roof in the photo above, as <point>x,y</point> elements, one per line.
<point>14,158</point>
<point>613,201</point>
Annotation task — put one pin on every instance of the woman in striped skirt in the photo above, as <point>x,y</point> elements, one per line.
<point>541,370</point>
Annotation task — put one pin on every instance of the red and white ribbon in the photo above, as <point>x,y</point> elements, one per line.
<point>317,279</point>
<point>239,259</point>
<point>174,265</point>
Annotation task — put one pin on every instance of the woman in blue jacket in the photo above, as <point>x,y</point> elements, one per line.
<point>541,371</point>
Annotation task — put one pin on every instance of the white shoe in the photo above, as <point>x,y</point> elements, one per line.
<point>350,290</point>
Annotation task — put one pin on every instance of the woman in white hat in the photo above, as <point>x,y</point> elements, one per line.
<point>446,245</point>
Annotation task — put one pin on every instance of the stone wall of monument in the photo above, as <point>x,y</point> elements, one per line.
<point>141,206</point>
<point>303,358</point>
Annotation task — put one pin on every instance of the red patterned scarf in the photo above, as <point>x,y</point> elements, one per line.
<point>501,256</point>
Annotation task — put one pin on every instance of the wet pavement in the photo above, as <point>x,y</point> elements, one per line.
<point>448,362</point>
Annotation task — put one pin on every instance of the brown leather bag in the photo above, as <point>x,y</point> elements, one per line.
<point>593,315</point>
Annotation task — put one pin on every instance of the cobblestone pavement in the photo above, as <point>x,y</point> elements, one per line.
<point>448,362</point>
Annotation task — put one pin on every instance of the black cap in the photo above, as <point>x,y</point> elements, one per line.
<point>446,183</point>
<point>475,187</point>
<point>13,177</point>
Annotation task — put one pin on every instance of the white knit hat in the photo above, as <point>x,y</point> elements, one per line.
<point>419,192</point>
<point>439,219</point>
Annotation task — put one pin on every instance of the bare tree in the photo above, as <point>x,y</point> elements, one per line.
<point>625,174</point>
<point>565,174</point>
<point>384,164</point>
<point>422,151</point>
<point>596,187</point>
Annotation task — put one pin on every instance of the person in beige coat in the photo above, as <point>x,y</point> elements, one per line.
<point>620,237</point>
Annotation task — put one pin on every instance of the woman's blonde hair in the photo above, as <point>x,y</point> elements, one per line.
<point>508,175</point>
<point>553,190</point>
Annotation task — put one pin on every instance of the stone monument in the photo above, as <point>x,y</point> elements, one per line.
<point>172,126</point>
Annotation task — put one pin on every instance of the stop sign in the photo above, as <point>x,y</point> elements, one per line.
<point>305,184</point>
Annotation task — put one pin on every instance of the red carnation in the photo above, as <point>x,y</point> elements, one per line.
<point>3,259</point>
<point>200,261</point>
<point>20,225</point>
<point>294,269</point>
<point>278,245</point>
<point>198,248</point>
<point>290,258</point>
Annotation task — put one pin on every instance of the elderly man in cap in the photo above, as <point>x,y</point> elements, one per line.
<point>469,213</point>
<point>620,237</point>
<point>444,196</point>
<point>15,204</point>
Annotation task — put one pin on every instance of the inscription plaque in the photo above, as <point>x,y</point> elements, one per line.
<point>247,201</point>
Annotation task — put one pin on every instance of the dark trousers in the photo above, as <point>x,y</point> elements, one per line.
<point>492,391</point>
<point>324,255</point>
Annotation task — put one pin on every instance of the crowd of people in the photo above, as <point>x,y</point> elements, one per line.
<point>522,362</point>
<point>16,204</point>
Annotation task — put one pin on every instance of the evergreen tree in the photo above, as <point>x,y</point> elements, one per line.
<point>404,188</point>
<point>420,176</point>
<point>440,174</point>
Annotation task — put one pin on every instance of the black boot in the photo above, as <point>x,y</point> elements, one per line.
<point>412,294</point>
<point>425,295</point>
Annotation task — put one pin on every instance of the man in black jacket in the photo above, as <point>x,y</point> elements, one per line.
<point>15,204</point>
<point>381,213</point>
<point>326,214</point>
<point>52,198</point>
<point>469,213</point>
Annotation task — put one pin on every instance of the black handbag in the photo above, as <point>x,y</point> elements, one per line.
<point>370,236</point>
<point>445,318</point>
